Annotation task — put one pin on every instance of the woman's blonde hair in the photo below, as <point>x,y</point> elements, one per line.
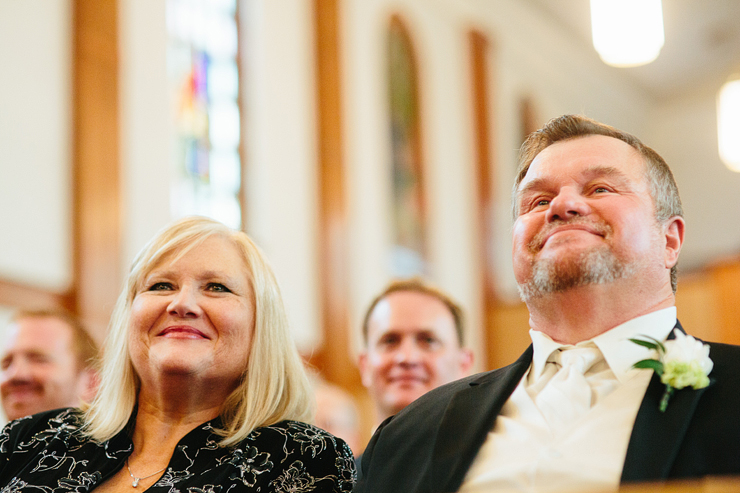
<point>274,386</point>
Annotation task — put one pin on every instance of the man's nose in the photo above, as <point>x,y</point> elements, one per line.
<point>568,203</point>
<point>185,303</point>
<point>408,352</point>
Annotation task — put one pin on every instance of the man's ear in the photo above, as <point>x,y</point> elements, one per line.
<point>674,230</point>
<point>364,373</point>
<point>466,361</point>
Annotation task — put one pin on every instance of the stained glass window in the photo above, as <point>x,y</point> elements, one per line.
<point>204,77</point>
<point>409,210</point>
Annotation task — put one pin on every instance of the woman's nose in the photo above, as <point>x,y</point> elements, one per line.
<point>185,303</point>
<point>568,203</point>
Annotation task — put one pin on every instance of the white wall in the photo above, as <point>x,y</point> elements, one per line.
<point>146,123</point>
<point>280,181</point>
<point>35,142</point>
<point>684,132</point>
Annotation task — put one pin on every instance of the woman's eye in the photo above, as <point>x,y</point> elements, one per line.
<point>160,286</point>
<point>217,287</point>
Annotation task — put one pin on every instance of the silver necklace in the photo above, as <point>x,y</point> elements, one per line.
<point>136,480</point>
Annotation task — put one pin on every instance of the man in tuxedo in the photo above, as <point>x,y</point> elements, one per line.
<point>413,335</point>
<point>47,362</point>
<point>597,234</point>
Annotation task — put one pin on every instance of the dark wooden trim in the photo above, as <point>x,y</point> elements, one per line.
<point>528,116</point>
<point>97,204</point>
<point>479,51</point>
<point>19,295</point>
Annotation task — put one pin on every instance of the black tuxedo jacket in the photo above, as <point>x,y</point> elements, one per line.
<point>429,446</point>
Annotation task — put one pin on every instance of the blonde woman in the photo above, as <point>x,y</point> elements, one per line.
<point>202,389</point>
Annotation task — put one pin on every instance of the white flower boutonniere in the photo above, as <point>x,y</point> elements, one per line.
<point>682,362</point>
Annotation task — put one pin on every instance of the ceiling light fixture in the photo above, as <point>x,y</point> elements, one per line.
<point>728,123</point>
<point>627,33</point>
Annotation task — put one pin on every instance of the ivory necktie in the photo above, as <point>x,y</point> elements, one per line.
<point>567,396</point>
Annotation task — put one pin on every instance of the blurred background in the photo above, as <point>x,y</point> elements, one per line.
<point>354,140</point>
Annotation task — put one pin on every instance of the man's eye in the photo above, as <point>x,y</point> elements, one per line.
<point>388,341</point>
<point>541,202</point>
<point>428,341</point>
<point>217,287</point>
<point>160,286</point>
<point>39,358</point>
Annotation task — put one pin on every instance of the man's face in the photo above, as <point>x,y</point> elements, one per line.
<point>412,348</point>
<point>38,368</point>
<point>585,217</point>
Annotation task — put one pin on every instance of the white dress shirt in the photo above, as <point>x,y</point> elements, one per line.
<point>522,453</point>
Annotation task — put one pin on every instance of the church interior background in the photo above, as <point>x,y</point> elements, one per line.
<point>354,140</point>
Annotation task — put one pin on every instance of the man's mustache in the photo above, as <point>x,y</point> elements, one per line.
<point>597,227</point>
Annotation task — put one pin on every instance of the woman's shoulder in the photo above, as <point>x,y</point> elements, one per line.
<point>301,450</point>
<point>41,429</point>
<point>306,435</point>
<point>299,428</point>
<point>292,440</point>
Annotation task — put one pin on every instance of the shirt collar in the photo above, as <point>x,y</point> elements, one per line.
<point>619,352</point>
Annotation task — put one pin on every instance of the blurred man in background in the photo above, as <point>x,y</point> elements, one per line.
<point>413,335</point>
<point>47,362</point>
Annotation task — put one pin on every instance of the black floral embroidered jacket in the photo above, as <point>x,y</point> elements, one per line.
<point>46,453</point>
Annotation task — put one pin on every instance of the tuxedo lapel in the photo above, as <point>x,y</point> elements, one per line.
<point>468,418</point>
<point>656,437</point>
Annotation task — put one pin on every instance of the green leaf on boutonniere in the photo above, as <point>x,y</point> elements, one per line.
<point>650,364</point>
<point>650,343</point>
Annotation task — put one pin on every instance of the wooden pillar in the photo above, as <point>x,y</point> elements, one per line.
<point>97,221</point>
<point>479,49</point>
<point>333,358</point>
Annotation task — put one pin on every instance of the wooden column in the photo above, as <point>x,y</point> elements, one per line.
<point>97,221</point>
<point>479,49</point>
<point>333,358</point>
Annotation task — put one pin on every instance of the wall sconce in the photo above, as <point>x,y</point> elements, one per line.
<point>728,123</point>
<point>627,33</point>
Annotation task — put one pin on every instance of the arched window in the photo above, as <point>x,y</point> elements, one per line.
<point>203,70</point>
<point>409,207</point>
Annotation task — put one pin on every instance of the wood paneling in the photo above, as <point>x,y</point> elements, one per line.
<point>725,278</point>
<point>19,295</point>
<point>698,307</point>
<point>97,224</point>
<point>511,335</point>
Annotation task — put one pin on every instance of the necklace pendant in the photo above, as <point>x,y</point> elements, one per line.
<point>135,483</point>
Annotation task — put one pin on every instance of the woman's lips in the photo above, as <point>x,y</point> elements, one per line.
<point>183,332</point>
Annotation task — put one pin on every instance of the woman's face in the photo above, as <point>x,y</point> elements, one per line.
<point>193,317</point>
